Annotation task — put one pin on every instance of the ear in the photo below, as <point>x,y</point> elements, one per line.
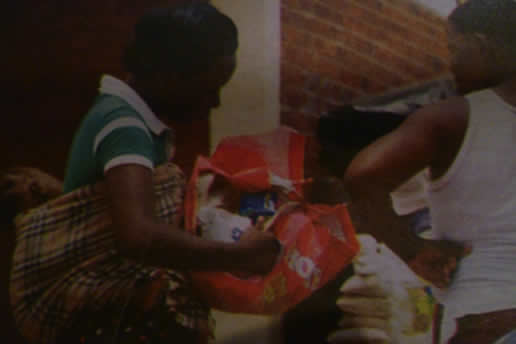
<point>166,80</point>
<point>482,38</point>
<point>499,53</point>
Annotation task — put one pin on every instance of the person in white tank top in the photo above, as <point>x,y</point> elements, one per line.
<point>468,145</point>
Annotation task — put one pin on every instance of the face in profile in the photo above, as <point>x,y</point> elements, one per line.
<point>476,62</point>
<point>193,98</point>
<point>468,59</point>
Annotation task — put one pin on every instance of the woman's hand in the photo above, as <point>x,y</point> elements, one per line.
<point>259,251</point>
<point>437,261</point>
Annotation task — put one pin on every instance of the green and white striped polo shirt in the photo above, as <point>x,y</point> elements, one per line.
<point>119,129</point>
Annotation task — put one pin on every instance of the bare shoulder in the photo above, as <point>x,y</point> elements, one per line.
<point>448,121</point>
<point>430,137</point>
<point>447,117</point>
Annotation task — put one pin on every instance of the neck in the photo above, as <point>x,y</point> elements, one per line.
<point>142,89</point>
<point>131,81</point>
<point>507,91</point>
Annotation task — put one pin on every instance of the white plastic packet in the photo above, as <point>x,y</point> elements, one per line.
<point>384,287</point>
<point>366,335</point>
<point>221,225</point>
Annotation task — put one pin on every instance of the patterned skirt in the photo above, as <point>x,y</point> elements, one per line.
<point>68,281</point>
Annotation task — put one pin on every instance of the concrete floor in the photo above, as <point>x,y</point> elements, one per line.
<point>247,329</point>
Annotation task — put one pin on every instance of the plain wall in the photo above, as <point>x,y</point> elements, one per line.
<point>250,105</point>
<point>250,101</point>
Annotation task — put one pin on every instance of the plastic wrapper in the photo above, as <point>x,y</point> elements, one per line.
<point>221,225</point>
<point>366,335</point>
<point>385,295</point>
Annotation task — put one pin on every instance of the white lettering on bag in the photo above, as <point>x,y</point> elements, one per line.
<point>305,268</point>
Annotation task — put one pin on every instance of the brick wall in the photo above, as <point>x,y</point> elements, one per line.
<point>334,51</point>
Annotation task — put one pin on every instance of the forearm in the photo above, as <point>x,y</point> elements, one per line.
<point>167,246</point>
<point>374,215</point>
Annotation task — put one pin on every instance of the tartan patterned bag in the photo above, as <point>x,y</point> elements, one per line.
<point>65,261</point>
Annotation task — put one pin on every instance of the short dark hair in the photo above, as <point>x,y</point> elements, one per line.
<point>185,38</point>
<point>345,131</point>
<point>353,128</point>
<point>496,19</point>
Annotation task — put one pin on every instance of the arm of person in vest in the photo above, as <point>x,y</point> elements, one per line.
<point>430,137</point>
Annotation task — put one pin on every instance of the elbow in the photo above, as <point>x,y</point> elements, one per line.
<point>356,181</point>
<point>352,175</point>
<point>131,240</point>
<point>367,183</point>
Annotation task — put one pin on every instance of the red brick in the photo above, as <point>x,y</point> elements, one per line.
<point>337,93</point>
<point>307,23</point>
<point>285,15</point>
<point>376,5</point>
<point>298,99</point>
<point>326,13</point>
<point>325,48</point>
<point>338,5</point>
<point>416,49</point>
<point>425,56</point>
<point>381,74</point>
<point>402,64</point>
<point>414,22</point>
<point>313,83</point>
<point>354,80</point>
<point>375,88</point>
<point>334,51</point>
<point>293,96</point>
<point>321,28</point>
<point>306,5</point>
<point>299,56</point>
<point>363,62</point>
<point>419,11</point>
<point>294,36</point>
<point>349,74</point>
<point>359,13</point>
<point>416,9</point>
<point>328,69</point>
<point>299,121</point>
<point>292,75</point>
<point>394,28</point>
<point>363,28</point>
<point>419,46</point>
<point>365,65</point>
<point>315,106</point>
<point>293,17</point>
<point>412,7</point>
<point>350,24</point>
<point>394,24</point>
<point>289,3</point>
<point>356,43</point>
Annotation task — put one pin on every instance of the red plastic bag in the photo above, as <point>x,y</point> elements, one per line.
<point>318,240</point>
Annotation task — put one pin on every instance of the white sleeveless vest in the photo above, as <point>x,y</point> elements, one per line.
<point>475,203</point>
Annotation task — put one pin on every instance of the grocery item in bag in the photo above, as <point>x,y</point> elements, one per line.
<point>221,225</point>
<point>266,172</point>
<point>383,288</point>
